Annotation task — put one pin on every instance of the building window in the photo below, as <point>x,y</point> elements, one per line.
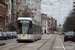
<point>9,5</point>
<point>45,21</point>
<point>32,4</point>
<point>28,4</point>
<point>32,0</point>
<point>73,9</point>
<point>73,2</point>
<point>0,21</point>
<point>28,0</point>
<point>74,6</point>
<point>45,26</point>
<point>14,1</point>
<point>7,0</point>
<point>0,8</point>
<point>32,13</point>
<point>14,8</point>
<point>6,19</point>
<point>18,0</point>
<point>9,16</point>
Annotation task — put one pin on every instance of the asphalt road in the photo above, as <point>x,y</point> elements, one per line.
<point>44,44</point>
<point>69,45</point>
<point>48,42</point>
<point>8,41</point>
<point>58,45</point>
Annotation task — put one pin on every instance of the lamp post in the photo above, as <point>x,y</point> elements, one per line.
<point>59,26</point>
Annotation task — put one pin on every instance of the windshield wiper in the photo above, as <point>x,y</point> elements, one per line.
<point>26,31</point>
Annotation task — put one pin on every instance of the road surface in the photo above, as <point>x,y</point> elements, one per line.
<point>48,42</point>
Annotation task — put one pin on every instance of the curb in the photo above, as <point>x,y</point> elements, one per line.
<point>1,44</point>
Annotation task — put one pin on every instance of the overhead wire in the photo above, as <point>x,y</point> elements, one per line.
<point>53,5</point>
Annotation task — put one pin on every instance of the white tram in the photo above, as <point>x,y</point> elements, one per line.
<point>28,29</point>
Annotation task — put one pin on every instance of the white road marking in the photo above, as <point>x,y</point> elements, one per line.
<point>62,43</point>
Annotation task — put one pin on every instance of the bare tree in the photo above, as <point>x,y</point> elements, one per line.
<point>69,24</point>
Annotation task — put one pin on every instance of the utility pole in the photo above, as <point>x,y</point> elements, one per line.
<point>25,2</point>
<point>59,27</point>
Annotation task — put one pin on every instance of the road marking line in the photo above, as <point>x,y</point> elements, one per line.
<point>62,43</point>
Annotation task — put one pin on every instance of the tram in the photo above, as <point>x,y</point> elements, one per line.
<point>28,29</point>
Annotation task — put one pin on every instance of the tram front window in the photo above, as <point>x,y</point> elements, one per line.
<point>23,28</point>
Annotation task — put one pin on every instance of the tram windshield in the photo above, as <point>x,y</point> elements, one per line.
<point>23,27</point>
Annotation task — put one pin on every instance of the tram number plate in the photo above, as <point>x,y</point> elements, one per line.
<point>23,35</point>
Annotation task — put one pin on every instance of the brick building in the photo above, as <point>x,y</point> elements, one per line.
<point>3,15</point>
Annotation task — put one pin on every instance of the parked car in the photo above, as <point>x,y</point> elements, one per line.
<point>15,34</point>
<point>12,35</point>
<point>47,32</point>
<point>1,36</point>
<point>69,36</point>
<point>8,35</point>
<point>60,33</point>
<point>4,35</point>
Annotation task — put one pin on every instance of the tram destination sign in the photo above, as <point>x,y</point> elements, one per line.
<point>23,21</point>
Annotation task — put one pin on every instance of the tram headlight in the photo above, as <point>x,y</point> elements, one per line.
<point>28,35</point>
<point>18,35</point>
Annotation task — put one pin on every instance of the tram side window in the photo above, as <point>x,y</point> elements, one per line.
<point>30,24</point>
<point>30,31</point>
<point>38,29</point>
<point>19,28</point>
<point>30,28</point>
<point>34,29</point>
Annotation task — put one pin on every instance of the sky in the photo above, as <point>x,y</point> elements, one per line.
<point>59,13</point>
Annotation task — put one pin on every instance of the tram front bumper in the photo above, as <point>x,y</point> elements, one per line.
<point>25,39</point>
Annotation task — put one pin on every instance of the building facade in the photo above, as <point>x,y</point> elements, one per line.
<point>16,8</point>
<point>3,14</point>
<point>44,23</point>
<point>11,13</point>
<point>73,5</point>
<point>53,25</point>
<point>35,7</point>
<point>49,24</point>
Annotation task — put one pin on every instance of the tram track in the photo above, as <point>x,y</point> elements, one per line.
<point>12,46</point>
<point>45,43</point>
<point>7,46</point>
<point>53,43</point>
<point>17,46</point>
